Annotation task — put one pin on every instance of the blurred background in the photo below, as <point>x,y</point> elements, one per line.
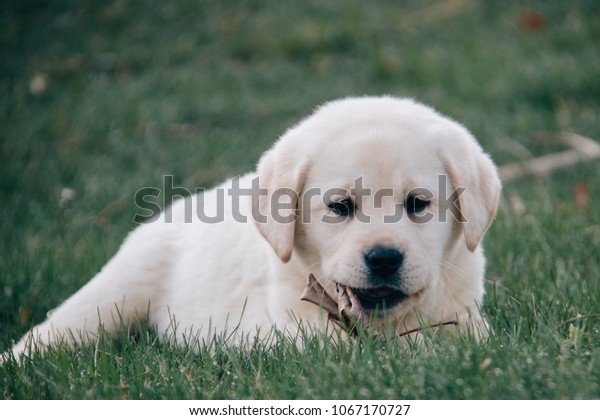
<point>100,99</point>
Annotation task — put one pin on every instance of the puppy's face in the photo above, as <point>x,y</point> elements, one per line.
<point>376,225</point>
<point>386,190</point>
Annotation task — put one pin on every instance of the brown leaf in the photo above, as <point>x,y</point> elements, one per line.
<point>532,22</point>
<point>24,315</point>
<point>581,196</point>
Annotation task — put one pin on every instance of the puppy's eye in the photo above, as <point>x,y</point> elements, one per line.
<point>345,207</point>
<point>415,204</point>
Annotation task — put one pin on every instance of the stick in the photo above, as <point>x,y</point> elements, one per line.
<point>582,149</point>
<point>441,324</point>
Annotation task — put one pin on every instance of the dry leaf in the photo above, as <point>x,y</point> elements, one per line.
<point>581,196</point>
<point>532,22</point>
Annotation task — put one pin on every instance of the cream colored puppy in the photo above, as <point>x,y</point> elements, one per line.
<point>379,197</point>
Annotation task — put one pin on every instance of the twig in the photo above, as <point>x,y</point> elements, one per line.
<point>577,318</point>
<point>582,149</point>
<point>440,324</point>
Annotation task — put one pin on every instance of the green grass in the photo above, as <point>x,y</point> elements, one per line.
<point>199,89</point>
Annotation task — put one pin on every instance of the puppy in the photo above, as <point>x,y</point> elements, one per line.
<point>381,198</point>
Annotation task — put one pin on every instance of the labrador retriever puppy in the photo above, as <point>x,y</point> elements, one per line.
<point>380,198</point>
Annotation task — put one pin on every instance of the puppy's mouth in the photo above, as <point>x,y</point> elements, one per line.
<point>357,307</point>
<point>380,298</point>
<point>373,300</point>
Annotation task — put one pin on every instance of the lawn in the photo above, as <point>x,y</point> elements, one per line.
<point>100,99</point>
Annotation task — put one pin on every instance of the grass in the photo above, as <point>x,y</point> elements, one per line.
<point>131,92</point>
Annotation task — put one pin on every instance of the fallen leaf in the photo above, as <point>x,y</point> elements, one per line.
<point>532,21</point>
<point>581,196</point>
<point>24,315</point>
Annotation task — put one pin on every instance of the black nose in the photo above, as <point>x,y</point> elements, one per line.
<point>383,261</point>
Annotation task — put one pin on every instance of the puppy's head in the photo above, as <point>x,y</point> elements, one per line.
<point>378,195</point>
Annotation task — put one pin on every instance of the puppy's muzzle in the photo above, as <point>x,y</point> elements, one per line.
<point>383,289</point>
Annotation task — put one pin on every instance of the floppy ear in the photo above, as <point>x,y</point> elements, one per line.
<point>471,169</point>
<point>281,172</point>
